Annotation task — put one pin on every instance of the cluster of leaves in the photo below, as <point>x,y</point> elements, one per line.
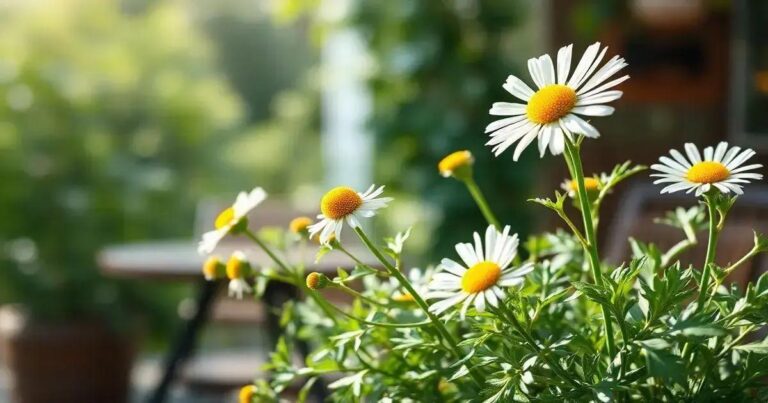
<point>546,341</point>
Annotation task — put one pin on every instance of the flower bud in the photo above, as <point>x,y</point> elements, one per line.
<point>317,281</point>
<point>247,393</point>
<point>300,225</point>
<point>213,268</point>
<point>238,266</point>
<point>457,164</point>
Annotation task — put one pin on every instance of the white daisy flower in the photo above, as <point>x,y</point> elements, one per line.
<point>345,204</point>
<point>238,269</point>
<point>481,278</point>
<point>550,113</point>
<point>721,168</point>
<point>231,219</point>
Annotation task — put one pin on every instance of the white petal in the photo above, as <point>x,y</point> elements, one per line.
<point>441,306</point>
<point>584,64</point>
<point>601,98</point>
<point>692,152</point>
<point>547,69</point>
<point>518,88</point>
<point>536,75</point>
<point>578,125</point>
<point>452,267</point>
<point>467,254</point>
<point>557,142</point>
<point>564,63</point>
<point>524,142</point>
<point>507,109</point>
<point>480,302</point>
<point>498,124</point>
<point>593,110</point>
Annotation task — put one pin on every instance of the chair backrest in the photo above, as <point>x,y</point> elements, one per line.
<point>642,203</point>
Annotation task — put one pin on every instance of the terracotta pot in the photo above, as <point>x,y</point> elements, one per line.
<point>77,362</point>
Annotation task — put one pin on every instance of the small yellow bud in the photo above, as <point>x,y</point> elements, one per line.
<point>213,268</point>
<point>238,266</point>
<point>457,164</point>
<point>247,393</point>
<point>407,297</point>
<point>317,281</point>
<point>299,225</point>
<point>331,239</point>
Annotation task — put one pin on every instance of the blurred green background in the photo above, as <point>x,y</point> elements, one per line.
<point>117,117</point>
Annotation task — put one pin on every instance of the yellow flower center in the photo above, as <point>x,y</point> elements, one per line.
<point>247,393</point>
<point>707,172</point>
<point>299,224</point>
<point>313,281</point>
<point>550,103</point>
<point>407,297</point>
<point>224,218</point>
<point>480,277</point>
<point>236,268</point>
<point>340,202</point>
<point>454,161</point>
<point>211,267</point>
<point>590,184</point>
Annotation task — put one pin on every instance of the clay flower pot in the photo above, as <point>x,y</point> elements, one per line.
<point>64,361</point>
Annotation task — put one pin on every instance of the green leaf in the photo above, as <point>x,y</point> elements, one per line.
<point>757,348</point>
<point>654,344</point>
<point>665,365</point>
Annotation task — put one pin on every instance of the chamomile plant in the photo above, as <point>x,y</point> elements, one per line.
<point>500,320</point>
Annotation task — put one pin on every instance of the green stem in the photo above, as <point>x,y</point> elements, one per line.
<point>586,212</point>
<point>299,280</point>
<point>356,294</point>
<point>532,343</point>
<point>754,251</point>
<point>474,190</point>
<point>419,300</point>
<point>710,258</point>
<point>380,324</point>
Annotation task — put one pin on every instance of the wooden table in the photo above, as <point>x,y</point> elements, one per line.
<point>177,260</point>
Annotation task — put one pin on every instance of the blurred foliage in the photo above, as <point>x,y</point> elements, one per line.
<point>437,68</point>
<point>111,125</point>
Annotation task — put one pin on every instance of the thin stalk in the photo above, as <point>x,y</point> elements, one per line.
<point>710,258</point>
<point>299,280</point>
<point>419,301</point>
<point>356,294</point>
<point>380,324</point>
<point>586,212</point>
<point>474,190</point>
<point>754,251</point>
<point>532,343</point>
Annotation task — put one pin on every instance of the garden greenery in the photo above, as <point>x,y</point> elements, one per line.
<point>556,323</point>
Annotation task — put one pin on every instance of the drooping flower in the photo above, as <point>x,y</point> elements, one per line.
<point>232,219</point>
<point>457,164</point>
<point>246,394</point>
<point>551,112</point>
<point>300,225</point>
<point>213,268</point>
<point>238,268</point>
<point>345,204</point>
<point>721,168</point>
<point>481,278</point>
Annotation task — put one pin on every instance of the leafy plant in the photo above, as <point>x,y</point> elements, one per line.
<point>559,325</point>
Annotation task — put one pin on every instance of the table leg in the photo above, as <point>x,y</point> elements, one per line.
<point>185,341</point>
